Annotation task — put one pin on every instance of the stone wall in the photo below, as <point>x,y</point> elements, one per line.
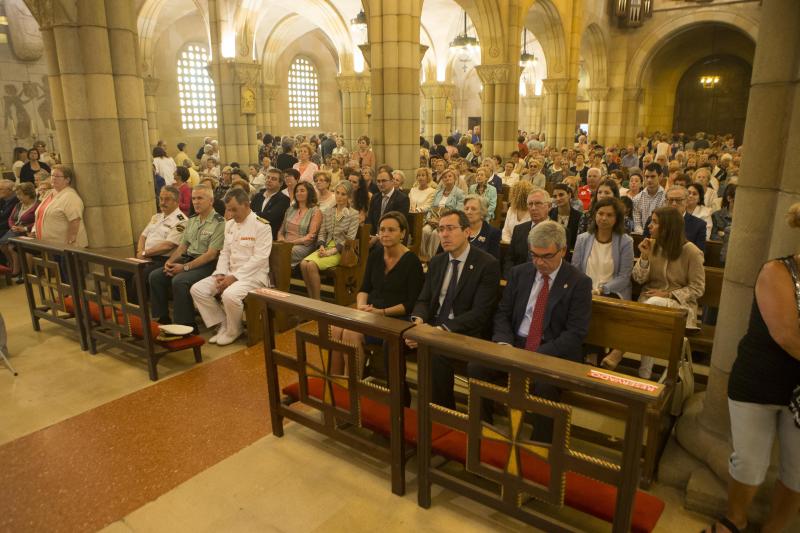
<point>27,112</point>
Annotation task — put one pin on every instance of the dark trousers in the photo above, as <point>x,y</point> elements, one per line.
<point>542,425</point>
<point>182,305</point>
<point>130,286</point>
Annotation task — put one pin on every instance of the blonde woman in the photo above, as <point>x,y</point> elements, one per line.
<point>517,208</point>
<point>447,196</point>
<point>325,197</point>
<point>421,194</point>
<point>304,165</point>
<point>339,224</point>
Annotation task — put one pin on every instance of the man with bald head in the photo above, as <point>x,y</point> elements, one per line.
<point>586,193</point>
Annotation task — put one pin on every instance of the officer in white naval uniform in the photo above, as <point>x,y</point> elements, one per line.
<point>243,265</point>
<point>161,235</point>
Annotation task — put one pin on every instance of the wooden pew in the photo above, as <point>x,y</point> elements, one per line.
<point>112,320</point>
<point>51,295</point>
<point>645,330</point>
<point>712,254</point>
<point>703,340</point>
<point>415,223</point>
<point>336,401</point>
<point>512,469</point>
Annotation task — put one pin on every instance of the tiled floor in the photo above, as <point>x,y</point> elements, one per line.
<point>91,442</point>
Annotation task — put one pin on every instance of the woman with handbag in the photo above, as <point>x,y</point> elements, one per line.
<point>339,225</point>
<point>763,401</point>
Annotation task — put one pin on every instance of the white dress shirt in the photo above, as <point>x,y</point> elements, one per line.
<point>538,283</point>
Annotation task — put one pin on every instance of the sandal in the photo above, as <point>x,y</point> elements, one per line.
<point>727,523</point>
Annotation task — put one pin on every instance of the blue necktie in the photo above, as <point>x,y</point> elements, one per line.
<point>450,295</point>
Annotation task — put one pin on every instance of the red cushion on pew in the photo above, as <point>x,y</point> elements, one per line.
<point>340,394</point>
<point>94,309</point>
<point>582,493</point>
<point>136,326</point>
<point>375,416</point>
<point>183,343</point>
<point>4,270</point>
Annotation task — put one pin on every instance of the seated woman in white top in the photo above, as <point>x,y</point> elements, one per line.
<point>695,205</point>
<point>605,254</point>
<point>517,208</point>
<point>421,195</point>
<point>509,177</point>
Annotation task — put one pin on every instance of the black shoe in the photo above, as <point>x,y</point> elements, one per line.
<point>19,280</point>
<point>164,321</point>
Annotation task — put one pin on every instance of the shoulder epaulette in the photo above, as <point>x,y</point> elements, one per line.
<point>262,220</point>
<point>218,217</point>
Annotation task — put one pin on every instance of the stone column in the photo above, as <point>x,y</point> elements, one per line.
<point>550,112</point>
<point>99,109</point>
<point>632,98</point>
<point>267,95</point>
<point>560,95</point>
<point>150,90</point>
<point>394,60</point>
<point>597,110</point>
<point>237,129</point>
<point>436,96</point>
<point>355,122</point>
<point>768,185</point>
<point>533,116</point>
<point>500,110</point>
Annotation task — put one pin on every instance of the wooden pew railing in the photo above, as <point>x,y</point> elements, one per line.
<point>703,340</point>
<point>337,400</point>
<point>502,454</point>
<point>50,294</point>
<point>112,320</point>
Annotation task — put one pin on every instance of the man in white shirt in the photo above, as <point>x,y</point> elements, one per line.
<point>243,265</point>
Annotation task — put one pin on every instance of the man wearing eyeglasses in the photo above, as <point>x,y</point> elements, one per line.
<point>545,308</point>
<point>693,227</point>
<point>539,208</point>
<point>459,295</point>
<point>387,199</point>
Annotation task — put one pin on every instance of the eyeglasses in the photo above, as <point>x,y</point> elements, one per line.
<point>536,204</point>
<point>381,181</point>
<point>544,257</point>
<point>676,200</point>
<point>448,229</point>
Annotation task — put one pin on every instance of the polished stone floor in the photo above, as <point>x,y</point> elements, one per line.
<point>88,442</point>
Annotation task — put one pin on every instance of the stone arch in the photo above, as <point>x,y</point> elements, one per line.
<point>320,13</point>
<point>150,23</point>
<point>286,30</point>
<point>656,38</point>
<point>595,55</point>
<point>544,21</point>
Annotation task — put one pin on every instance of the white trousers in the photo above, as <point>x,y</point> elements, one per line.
<point>230,311</point>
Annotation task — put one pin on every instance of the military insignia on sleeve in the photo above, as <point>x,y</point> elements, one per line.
<point>179,228</point>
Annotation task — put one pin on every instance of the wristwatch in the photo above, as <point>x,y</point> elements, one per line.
<point>186,267</point>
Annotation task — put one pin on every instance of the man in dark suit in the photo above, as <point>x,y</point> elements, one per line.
<point>517,253</point>
<point>459,295</point>
<point>693,227</point>
<point>271,204</point>
<point>545,308</point>
<point>388,199</point>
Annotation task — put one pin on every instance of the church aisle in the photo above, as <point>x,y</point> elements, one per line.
<point>94,468</point>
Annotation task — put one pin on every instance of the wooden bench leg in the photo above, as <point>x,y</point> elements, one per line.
<point>198,355</point>
<point>152,367</point>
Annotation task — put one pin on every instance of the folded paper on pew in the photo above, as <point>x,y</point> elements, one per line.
<point>625,382</point>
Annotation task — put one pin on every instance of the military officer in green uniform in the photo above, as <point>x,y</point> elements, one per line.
<point>193,260</point>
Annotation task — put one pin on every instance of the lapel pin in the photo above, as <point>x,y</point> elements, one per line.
<point>471,266</point>
<point>566,285</point>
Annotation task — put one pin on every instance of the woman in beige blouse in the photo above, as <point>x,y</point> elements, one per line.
<point>59,216</point>
<point>421,195</point>
<point>670,269</point>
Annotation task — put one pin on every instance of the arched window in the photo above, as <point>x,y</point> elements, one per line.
<point>303,94</point>
<point>196,90</point>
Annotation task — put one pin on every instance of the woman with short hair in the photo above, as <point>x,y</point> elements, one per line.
<point>305,166</point>
<point>364,155</point>
<point>482,235</point>
<point>420,196</point>
<point>325,197</point>
<point>59,216</point>
<point>32,166</point>
<point>447,197</point>
<point>485,190</point>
